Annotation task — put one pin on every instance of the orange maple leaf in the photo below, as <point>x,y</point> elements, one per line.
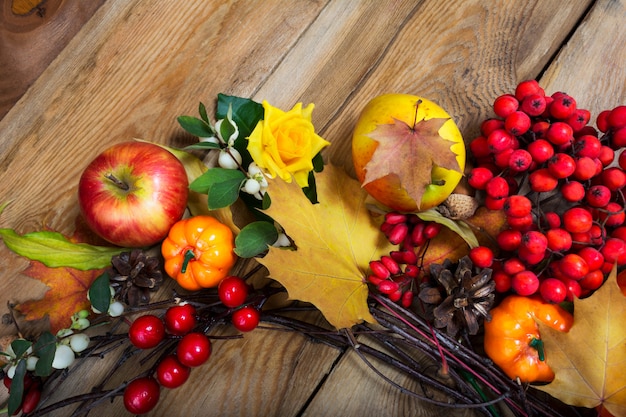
<point>68,286</point>
<point>67,294</point>
<point>420,145</point>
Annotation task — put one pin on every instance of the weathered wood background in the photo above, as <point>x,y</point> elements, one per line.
<point>77,76</point>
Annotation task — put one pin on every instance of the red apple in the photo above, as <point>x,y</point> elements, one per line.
<point>133,193</point>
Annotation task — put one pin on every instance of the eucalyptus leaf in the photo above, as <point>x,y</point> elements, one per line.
<point>100,293</point>
<point>255,238</point>
<point>20,346</point>
<point>17,388</point>
<point>45,348</point>
<point>195,126</point>
<point>55,250</point>
<point>459,227</point>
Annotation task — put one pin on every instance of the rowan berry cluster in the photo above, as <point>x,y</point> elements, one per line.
<point>395,275</point>
<point>560,182</point>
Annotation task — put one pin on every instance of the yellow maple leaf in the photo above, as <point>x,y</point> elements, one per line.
<point>335,239</point>
<point>590,359</point>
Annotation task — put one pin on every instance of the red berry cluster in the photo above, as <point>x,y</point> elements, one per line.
<point>193,348</point>
<point>31,392</point>
<point>395,274</point>
<point>560,182</point>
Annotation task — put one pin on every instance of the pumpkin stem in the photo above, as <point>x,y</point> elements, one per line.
<point>189,255</point>
<point>538,344</point>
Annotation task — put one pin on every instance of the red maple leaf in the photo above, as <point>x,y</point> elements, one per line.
<point>67,294</point>
<point>410,153</point>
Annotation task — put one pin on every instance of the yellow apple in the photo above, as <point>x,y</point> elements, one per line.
<point>389,109</point>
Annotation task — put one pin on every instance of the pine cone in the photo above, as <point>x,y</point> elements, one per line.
<point>134,275</point>
<point>459,296</point>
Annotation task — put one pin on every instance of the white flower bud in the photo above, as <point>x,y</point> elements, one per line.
<point>229,159</point>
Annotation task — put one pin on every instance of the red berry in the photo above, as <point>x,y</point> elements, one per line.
<point>560,133</point>
<point>542,180</point>
<point>520,160</point>
<point>559,240</point>
<point>552,220</point>
<point>579,119</point>
<point>607,155</point>
<point>592,257</point>
<point>534,241</point>
<point>491,124</point>
<point>31,399</point>
<point>481,256</point>
<point>499,140</point>
<point>171,373</point>
<point>432,229</point>
<point>592,281</point>
<point>146,331</point>
<point>561,165</point>
<point>517,123</point>
<point>614,250</point>
<point>587,145</point>
<point>534,104</point>
<point>479,147</point>
<point>617,117</point>
<point>141,395</point>
<point>530,258</point>
<point>541,150</point>
<point>505,105</point>
<point>513,265</point>
<point>247,318</point>
<point>497,187</point>
<point>478,177</point>
<point>233,291</point>
<point>502,281</point>
<point>494,203</point>
<point>180,319</point>
<point>586,168</point>
<point>602,121</point>
<point>577,220</point>
<point>393,217</point>
<point>388,287</point>
<point>509,239</point>
<point>379,269</point>
<point>598,196</point>
<point>407,299</point>
<point>573,191</point>
<point>517,206</point>
<point>193,349</point>
<point>553,290</point>
<point>572,289</point>
<point>573,266</point>
<point>563,106</point>
<point>522,223</point>
<point>398,233</point>
<point>614,178</point>
<point>525,283</point>
<point>527,88</point>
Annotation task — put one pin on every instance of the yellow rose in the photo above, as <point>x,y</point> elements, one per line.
<point>284,143</point>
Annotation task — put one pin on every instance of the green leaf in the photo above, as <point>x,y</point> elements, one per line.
<point>17,388</point>
<point>318,162</point>
<point>311,190</point>
<point>20,346</point>
<point>203,146</point>
<point>246,113</point>
<point>203,113</point>
<point>45,348</point>
<point>458,227</point>
<point>195,126</point>
<point>55,250</point>
<point>100,293</point>
<point>220,185</point>
<point>255,238</point>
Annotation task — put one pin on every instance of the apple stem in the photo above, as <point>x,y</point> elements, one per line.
<point>189,255</point>
<point>117,182</point>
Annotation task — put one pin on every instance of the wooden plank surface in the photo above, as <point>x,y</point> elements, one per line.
<point>135,66</point>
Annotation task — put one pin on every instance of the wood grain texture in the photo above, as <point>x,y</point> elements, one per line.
<point>135,66</point>
<point>32,33</point>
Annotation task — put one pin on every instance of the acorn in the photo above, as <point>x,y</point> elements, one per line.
<point>459,206</point>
